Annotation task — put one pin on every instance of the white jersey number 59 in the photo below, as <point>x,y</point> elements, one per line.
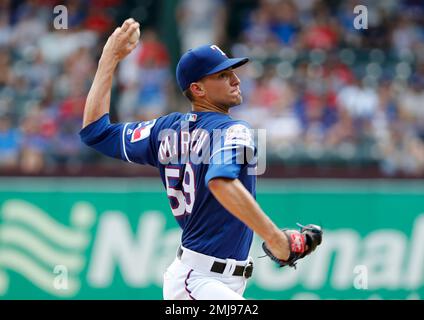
<point>184,198</point>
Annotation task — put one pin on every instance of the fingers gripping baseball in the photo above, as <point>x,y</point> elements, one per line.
<point>127,23</point>
<point>118,46</point>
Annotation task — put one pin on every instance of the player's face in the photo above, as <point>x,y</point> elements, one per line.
<point>223,88</point>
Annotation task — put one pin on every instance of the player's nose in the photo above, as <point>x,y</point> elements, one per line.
<point>235,81</point>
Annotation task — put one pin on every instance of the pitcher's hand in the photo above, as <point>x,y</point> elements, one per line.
<point>118,45</point>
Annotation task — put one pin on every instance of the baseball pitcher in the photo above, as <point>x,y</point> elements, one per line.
<point>205,160</point>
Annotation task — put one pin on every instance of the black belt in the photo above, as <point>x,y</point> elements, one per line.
<point>219,267</point>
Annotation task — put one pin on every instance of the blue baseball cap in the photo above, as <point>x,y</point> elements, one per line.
<point>202,61</point>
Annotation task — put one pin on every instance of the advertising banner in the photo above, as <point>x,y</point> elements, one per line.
<point>114,238</point>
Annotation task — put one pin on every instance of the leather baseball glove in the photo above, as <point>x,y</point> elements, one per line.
<point>300,244</point>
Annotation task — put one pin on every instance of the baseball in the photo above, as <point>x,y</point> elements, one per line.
<point>135,36</point>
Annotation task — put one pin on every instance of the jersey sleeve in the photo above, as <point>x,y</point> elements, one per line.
<point>132,142</point>
<point>231,152</point>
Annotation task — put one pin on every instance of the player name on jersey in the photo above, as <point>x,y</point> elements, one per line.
<point>195,146</point>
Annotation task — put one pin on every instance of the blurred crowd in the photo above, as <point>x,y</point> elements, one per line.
<point>325,91</point>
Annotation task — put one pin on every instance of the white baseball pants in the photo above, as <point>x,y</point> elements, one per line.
<point>191,279</point>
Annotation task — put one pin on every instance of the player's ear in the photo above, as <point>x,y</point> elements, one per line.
<point>197,89</point>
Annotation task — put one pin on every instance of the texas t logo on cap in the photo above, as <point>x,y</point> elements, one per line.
<point>215,47</point>
<point>202,61</point>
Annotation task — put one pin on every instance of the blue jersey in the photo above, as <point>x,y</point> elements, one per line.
<point>189,150</point>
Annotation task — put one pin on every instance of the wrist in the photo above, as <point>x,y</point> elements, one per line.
<point>275,238</point>
<point>108,62</point>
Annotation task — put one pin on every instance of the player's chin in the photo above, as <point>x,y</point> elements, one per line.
<point>236,100</point>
